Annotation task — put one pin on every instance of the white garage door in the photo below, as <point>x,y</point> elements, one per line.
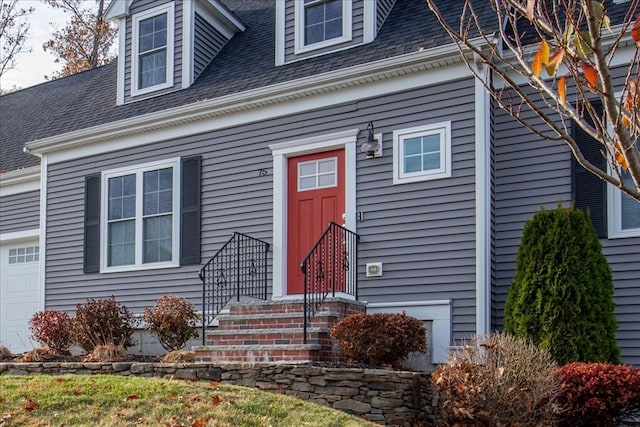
<point>19,293</point>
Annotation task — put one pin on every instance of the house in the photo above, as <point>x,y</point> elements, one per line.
<point>272,119</point>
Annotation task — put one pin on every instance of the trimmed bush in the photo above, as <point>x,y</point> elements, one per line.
<point>562,295</point>
<point>599,394</point>
<point>498,380</point>
<point>380,338</point>
<point>102,322</point>
<point>52,329</point>
<point>173,321</point>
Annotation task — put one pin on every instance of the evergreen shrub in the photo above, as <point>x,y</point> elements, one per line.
<point>562,295</point>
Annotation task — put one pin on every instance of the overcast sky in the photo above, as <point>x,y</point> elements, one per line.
<point>32,67</point>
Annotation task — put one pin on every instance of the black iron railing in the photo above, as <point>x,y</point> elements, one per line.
<point>329,267</point>
<point>238,269</point>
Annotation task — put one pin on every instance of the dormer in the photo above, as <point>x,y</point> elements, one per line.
<point>307,28</point>
<point>164,45</point>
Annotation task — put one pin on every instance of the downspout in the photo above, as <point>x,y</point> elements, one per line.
<point>483,204</point>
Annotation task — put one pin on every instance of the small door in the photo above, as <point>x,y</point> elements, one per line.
<point>316,189</point>
<point>19,294</point>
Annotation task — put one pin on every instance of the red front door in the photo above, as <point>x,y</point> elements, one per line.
<point>315,194</point>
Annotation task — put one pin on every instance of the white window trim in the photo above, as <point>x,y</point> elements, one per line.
<point>444,130</point>
<point>169,9</point>
<point>347,24</point>
<point>614,216</point>
<point>104,198</point>
<point>614,207</point>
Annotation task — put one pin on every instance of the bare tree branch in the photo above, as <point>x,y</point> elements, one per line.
<point>14,29</point>
<point>579,39</point>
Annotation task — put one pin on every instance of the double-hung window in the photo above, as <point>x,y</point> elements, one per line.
<point>141,216</point>
<point>422,153</point>
<point>321,23</point>
<point>152,61</point>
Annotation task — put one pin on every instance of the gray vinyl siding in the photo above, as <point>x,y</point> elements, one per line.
<point>530,174</point>
<point>141,6</point>
<point>423,232</point>
<point>382,11</point>
<point>207,43</point>
<point>357,32</point>
<point>20,212</point>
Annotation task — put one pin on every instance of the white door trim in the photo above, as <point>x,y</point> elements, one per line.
<point>282,151</point>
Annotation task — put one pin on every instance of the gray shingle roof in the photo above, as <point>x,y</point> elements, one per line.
<point>247,62</point>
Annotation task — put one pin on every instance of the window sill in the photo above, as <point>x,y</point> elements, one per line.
<point>129,268</point>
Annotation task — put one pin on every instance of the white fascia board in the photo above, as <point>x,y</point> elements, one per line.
<point>221,12</point>
<point>117,9</point>
<point>20,181</point>
<point>404,72</point>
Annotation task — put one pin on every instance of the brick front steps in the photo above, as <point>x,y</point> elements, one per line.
<point>272,331</point>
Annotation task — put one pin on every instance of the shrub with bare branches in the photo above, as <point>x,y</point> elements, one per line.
<point>498,380</point>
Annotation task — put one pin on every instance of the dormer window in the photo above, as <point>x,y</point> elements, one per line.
<point>153,50</point>
<point>321,23</point>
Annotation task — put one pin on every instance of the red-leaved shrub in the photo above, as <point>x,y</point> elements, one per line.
<point>173,321</point>
<point>52,329</point>
<point>380,338</point>
<point>599,394</point>
<point>102,322</point>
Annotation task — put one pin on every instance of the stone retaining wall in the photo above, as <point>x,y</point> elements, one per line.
<point>385,397</point>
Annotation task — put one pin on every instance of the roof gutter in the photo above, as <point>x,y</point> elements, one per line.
<point>252,99</point>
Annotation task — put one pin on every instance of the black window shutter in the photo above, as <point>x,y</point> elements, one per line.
<point>92,223</point>
<point>589,191</point>
<point>190,211</point>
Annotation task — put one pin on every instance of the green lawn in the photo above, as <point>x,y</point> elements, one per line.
<point>105,400</point>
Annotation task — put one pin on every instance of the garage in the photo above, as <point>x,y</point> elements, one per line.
<point>19,293</point>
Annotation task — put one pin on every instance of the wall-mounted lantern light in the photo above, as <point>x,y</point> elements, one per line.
<point>373,145</point>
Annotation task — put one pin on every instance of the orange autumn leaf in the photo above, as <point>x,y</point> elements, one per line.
<point>635,31</point>
<point>562,89</point>
<point>590,74</point>
<point>202,422</point>
<point>215,400</point>
<point>29,404</point>
<point>541,58</point>
<point>620,157</point>
<point>131,397</point>
<point>554,62</point>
